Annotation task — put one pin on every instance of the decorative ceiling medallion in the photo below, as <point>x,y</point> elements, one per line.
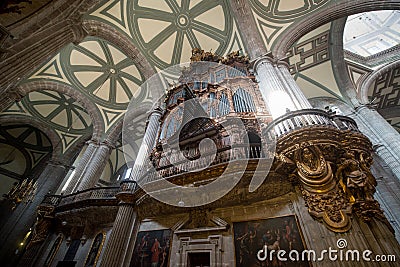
<point>110,116</point>
<point>167,30</point>
<point>104,72</point>
<point>67,139</point>
<point>58,110</point>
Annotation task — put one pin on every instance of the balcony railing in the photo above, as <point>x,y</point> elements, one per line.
<point>93,196</point>
<point>229,153</point>
<point>307,118</point>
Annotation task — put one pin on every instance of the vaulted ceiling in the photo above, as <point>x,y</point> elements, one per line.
<point>100,79</point>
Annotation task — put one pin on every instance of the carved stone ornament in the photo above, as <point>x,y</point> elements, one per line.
<point>324,198</point>
<point>42,225</point>
<point>333,191</point>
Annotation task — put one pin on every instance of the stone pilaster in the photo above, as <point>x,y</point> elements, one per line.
<point>385,138</point>
<point>95,167</point>
<point>81,167</point>
<point>23,217</point>
<point>293,89</point>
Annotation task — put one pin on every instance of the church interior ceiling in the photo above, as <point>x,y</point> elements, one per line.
<point>23,148</point>
<point>165,31</point>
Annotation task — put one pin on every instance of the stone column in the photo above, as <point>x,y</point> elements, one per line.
<point>32,53</point>
<point>278,88</point>
<point>120,246</point>
<point>14,230</point>
<point>148,143</point>
<point>124,229</point>
<point>293,89</point>
<point>385,138</point>
<point>91,146</point>
<point>95,167</point>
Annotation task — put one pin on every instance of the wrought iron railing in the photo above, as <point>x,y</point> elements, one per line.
<point>306,118</point>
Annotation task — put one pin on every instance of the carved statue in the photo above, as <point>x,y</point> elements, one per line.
<point>358,181</point>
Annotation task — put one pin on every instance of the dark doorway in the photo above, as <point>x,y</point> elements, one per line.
<point>199,259</point>
<point>254,149</point>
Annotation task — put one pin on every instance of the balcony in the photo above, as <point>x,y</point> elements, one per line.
<point>99,196</point>
<point>308,118</point>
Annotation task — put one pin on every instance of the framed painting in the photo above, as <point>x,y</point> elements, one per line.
<point>257,242</point>
<point>152,249</point>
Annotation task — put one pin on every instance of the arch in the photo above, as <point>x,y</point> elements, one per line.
<point>333,11</point>
<point>368,82</point>
<point>339,65</point>
<point>98,125</point>
<point>115,131</point>
<point>7,120</point>
<point>112,35</point>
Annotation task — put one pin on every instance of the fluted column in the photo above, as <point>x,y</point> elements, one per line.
<point>120,246</point>
<point>32,52</point>
<point>293,89</point>
<point>124,230</point>
<point>95,167</point>
<point>385,138</point>
<point>91,146</point>
<point>14,230</point>
<point>279,90</point>
<point>148,143</point>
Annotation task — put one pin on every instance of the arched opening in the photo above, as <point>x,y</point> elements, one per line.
<point>254,148</point>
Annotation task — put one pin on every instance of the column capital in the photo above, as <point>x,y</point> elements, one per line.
<point>15,94</point>
<point>370,107</point>
<point>156,110</point>
<point>78,30</point>
<point>261,60</point>
<point>92,142</point>
<point>108,144</point>
<point>58,163</point>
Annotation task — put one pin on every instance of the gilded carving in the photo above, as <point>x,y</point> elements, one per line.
<point>357,181</point>
<point>42,225</point>
<point>330,207</point>
<point>199,55</point>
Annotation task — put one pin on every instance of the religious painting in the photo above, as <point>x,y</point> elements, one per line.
<point>152,249</point>
<point>53,250</point>
<point>95,250</point>
<point>257,242</point>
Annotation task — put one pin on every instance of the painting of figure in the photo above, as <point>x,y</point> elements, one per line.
<point>152,249</point>
<point>267,235</point>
